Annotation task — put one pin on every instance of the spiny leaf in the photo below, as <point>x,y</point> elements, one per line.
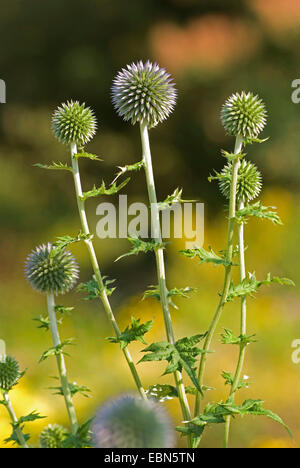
<point>258,210</point>
<point>154,292</point>
<point>33,416</point>
<point>102,190</point>
<point>43,322</point>
<point>229,379</point>
<point>249,287</point>
<point>91,156</point>
<point>249,141</point>
<point>63,241</point>
<point>55,166</point>
<point>135,332</point>
<point>74,389</point>
<point>162,392</point>
<point>55,350</point>
<point>93,290</point>
<point>172,200</point>
<point>228,337</point>
<point>180,355</point>
<point>129,168</point>
<point>82,437</point>
<point>63,310</point>
<point>138,246</point>
<point>206,256</point>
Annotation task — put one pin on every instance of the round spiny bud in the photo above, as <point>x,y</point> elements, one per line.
<point>51,270</point>
<point>74,123</point>
<point>53,436</point>
<point>144,93</point>
<point>249,181</point>
<point>244,115</point>
<point>129,422</point>
<point>9,373</point>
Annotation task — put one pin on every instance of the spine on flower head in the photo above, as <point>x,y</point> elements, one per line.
<point>144,92</point>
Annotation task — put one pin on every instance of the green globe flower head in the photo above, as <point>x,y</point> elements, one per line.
<point>244,115</point>
<point>144,92</point>
<point>49,269</point>
<point>73,122</point>
<point>249,182</point>
<point>53,436</point>
<point>9,373</point>
<point>130,422</point>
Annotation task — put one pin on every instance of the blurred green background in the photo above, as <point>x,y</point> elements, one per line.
<point>54,51</point>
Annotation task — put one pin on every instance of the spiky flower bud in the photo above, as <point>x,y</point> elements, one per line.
<point>9,373</point>
<point>244,115</point>
<point>51,270</point>
<point>144,93</point>
<point>73,122</point>
<point>249,181</point>
<point>129,422</point>
<point>53,436</point>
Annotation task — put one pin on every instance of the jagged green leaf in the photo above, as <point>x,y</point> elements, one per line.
<point>63,241</point>
<point>181,355</point>
<point>140,246</point>
<point>259,211</point>
<point>172,200</point>
<point>92,288</point>
<point>228,337</point>
<point>55,166</point>
<point>83,154</point>
<point>205,256</point>
<point>55,350</point>
<point>129,168</point>
<point>102,190</point>
<point>154,292</point>
<point>229,379</point>
<point>135,332</point>
<point>82,437</point>
<point>74,389</point>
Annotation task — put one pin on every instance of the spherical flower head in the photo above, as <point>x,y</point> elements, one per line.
<point>244,115</point>
<point>49,269</point>
<point>249,181</point>
<point>144,93</point>
<point>130,422</point>
<point>73,122</point>
<point>9,373</point>
<point>53,436</point>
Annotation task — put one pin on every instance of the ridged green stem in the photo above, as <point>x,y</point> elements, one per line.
<point>96,269</point>
<point>243,327</point>
<point>160,265</point>
<point>14,420</point>
<point>61,365</point>
<point>228,257</point>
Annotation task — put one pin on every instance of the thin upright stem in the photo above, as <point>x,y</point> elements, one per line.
<point>227,276</point>
<point>160,265</point>
<point>14,420</point>
<point>61,365</point>
<point>243,326</point>
<point>95,265</point>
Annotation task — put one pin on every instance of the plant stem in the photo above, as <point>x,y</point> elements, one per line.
<point>228,257</point>
<point>14,420</point>
<point>61,364</point>
<point>96,269</point>
<point>243,327</point>
<point>160,265</point>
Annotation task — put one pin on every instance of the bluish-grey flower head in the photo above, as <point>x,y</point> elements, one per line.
<point>244,115</point>
<point>53,436</point>
<point>9,373</point>
<point>73,122</point>
<point>49,269</point>
<point>249,182</point>
<point>130,422</point>
<point>144,92</point>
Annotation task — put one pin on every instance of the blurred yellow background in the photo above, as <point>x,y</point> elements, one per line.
<point>56,51</point>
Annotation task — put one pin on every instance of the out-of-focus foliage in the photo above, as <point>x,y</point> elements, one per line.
<point>54,51</point>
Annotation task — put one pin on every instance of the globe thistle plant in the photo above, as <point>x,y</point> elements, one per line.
<point>51,270</point>
<point>130,422</point>
<point>53,436</point>
<point>249,181</point>
<point>244,114</point>
<point>144,92</point>
<point>73,122</point>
